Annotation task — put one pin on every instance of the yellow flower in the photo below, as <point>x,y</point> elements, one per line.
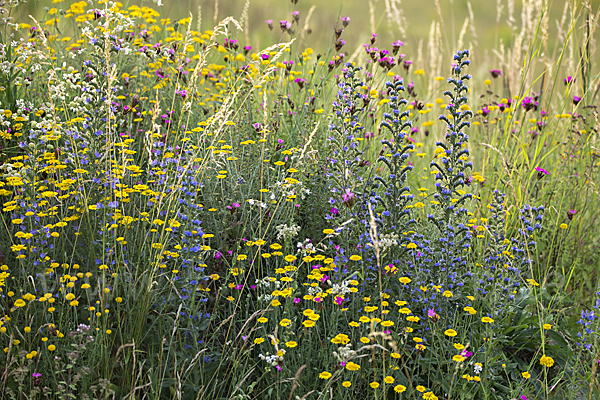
<point>470,310</point>
<point>564,226</point>
<point>404,280</point>
<point>447,293</point>
<point>421,388</point>
<point>532,282</point>
<point>346,384</point>
<point>52,347</point>
<point>399,388</point>
<point>262,320</point>
<point>547,326</point>
<point>458,358</point>
<point>526,375</point>
<point>19,303</point>
<point>450,332</point>
<point>291,344</point>
<point>285,322</point>
<point>258,340</point>
<point>487,320</point>
<point>389,380</point>
<point>547,361</point>
<point>352,366</point>
<point>325,375</point>
<point>340,339</point>
<point>429,396</point>
<point>458,346</point>
<point>308,323</point>
<point>374,385</point>
<point>355,258</point>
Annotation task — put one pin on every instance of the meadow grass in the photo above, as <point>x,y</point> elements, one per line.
<point>188,216</point>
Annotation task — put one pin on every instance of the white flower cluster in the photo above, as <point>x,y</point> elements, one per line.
<point>272,359</point>
<point>344,353</point>
<point>386,241</point>
<point>266,283</point>
<point>341,289</point>
<point>314,290</point>
<point>306,247</point>
<point>287,232</point>
<point>253,202</point>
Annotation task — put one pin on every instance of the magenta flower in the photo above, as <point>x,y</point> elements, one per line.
<point>345,21</point>
<point>348,198</point>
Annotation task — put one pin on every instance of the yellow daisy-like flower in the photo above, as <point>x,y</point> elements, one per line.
<point>52,347</point>
<point>450,332</point>
<point>526,375</point>
<point>259,340</point>
<point>447,293</point>
<point>429,396</point>
<point>547,326</point>
<point>19,303</point>
<point>309,323</point>
<point>352,366</point>
<point>404,280</point>
<point>291,344</point>
<point>346,384</point>
<point>487,320</point>
<point>470,310</point>
<point>399,388</point>
<point>547,361</point>
<point>458,358</point>
<point>285,322</point>
<point>325,375</point>
<point>421,388</point>
<point>355,258</point>
<point>374,385</point>
<point>389,380</point>
<point>262,320</point>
